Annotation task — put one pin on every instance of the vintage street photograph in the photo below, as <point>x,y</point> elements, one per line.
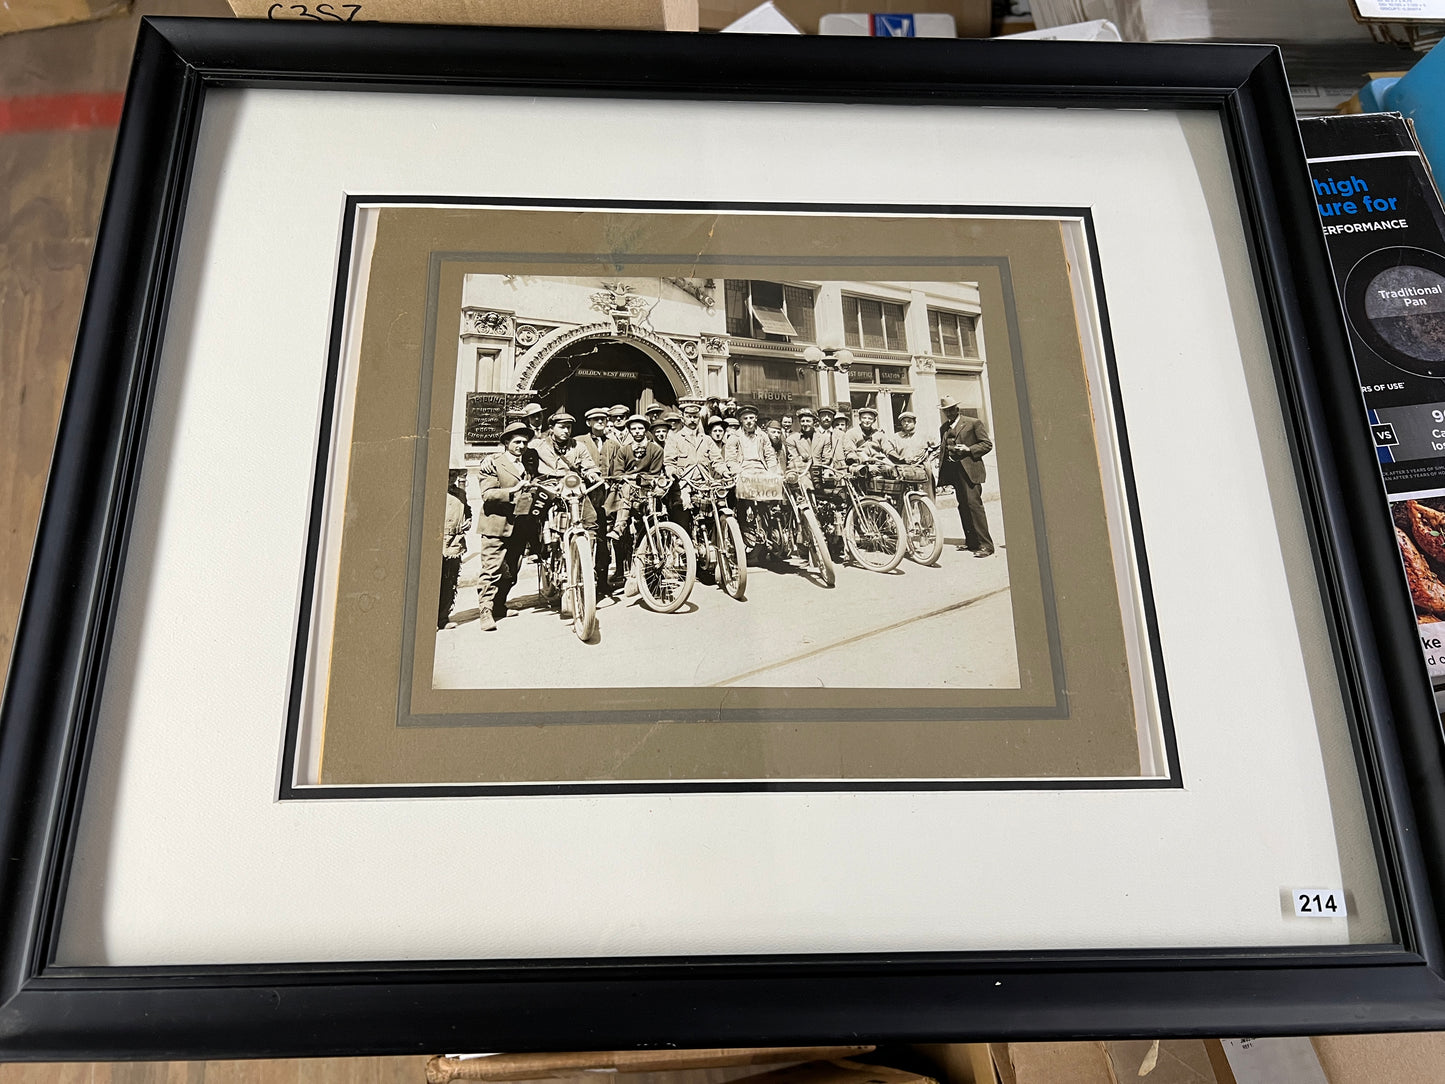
<point>667,481</point>
<point>665,495</point>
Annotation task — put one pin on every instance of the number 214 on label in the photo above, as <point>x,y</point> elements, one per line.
<point>1319,902</point>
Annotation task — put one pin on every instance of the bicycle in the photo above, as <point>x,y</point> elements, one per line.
<point>716,534</point>
<point>664,563</point>
<point>869,531</point>
<point>564,559</point>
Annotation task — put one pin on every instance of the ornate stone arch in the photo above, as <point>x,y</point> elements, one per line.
<point>679,370</point>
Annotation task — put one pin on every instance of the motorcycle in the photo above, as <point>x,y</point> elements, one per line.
<point>905,487</point>
<point>664,563</point>
<point>564,561</point>
<point>806,530</point>
<point>716,534</point>
<point>869,531</point>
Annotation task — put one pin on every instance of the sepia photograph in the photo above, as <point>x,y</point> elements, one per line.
<point>721,481</point>
<point>675,496</point>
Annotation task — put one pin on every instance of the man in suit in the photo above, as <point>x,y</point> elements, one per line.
<point>638,470</point>
<point>507,524</point>
<point>599,445</point>
<point>689,454</point>
<point>965,442</point>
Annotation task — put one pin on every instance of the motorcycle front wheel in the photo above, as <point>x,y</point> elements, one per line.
<point>666,567</point>
<point>732,558</point>
<point>581,586</point>
<point>925,540</point>
<point>818,547</point>
<point>875,535</point>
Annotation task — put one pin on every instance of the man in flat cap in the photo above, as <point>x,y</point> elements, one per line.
<point>965,442</point>
<point>690,456</point>
<point>910,447</point>
<point>558,454</point>
<point>863,443</point>
<point>507,525</point>
<point>599,445</point>
<point>617,422</point>
<point>637,472</point>
<point>751,452</point>
<point>817,443</point>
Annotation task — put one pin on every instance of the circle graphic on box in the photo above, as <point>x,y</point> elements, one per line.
<point>1395,299</point>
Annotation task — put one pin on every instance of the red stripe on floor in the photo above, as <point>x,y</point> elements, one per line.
<point>60,112</point>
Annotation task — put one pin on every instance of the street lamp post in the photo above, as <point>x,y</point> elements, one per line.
<point>825,361</point>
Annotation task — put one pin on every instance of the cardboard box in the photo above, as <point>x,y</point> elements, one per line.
<point>34,14</point>
<point>972,16</point>
<point>542,1066</point>
<point>616,14</point>
<point>1174,1061</point>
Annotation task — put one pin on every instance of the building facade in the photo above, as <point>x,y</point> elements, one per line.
<point>582,342</point>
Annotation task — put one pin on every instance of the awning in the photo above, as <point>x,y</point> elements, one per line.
<point>772,321</point>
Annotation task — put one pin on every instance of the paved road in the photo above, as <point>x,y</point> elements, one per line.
<point>944,626</point>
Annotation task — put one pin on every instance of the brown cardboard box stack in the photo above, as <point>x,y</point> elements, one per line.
<point>35,14</point>
<point>972,16</point>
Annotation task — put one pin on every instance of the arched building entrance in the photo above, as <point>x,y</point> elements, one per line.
<point>601,372</point>
<point>603,365</point>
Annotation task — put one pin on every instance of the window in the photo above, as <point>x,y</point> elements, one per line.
<point>869,324</point>
<point>863,399</point>
<point>798,304</point>
<point>953,334</point>
<point>768,310</point>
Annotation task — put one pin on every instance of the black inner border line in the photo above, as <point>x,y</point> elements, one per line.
<point>290,789</point>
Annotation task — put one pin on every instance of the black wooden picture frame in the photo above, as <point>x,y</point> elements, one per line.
<point>48,1011</point>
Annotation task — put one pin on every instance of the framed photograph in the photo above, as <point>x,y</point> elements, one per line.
<point>566,540</point>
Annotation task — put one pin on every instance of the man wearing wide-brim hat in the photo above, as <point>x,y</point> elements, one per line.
<point>507,524</point>
<point>965,442</point>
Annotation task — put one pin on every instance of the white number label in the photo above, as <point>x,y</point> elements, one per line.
<point>1319,902</point>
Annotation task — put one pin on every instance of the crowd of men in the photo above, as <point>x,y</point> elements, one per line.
<point>656,452</point>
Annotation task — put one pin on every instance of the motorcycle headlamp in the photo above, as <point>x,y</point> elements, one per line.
<point>571,482</point>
